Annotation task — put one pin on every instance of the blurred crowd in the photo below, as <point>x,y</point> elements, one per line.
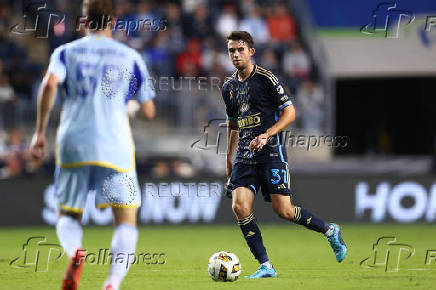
<point>183,38</point>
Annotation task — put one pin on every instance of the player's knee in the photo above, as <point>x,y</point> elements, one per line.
<point>241,209</point>
<point>286,213</point>
<point>124,216</point>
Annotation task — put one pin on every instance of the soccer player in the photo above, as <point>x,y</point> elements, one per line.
<point>258,109</point>
<point>94,146</point>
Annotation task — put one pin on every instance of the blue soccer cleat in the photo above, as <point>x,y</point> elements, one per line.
<point>263,272</point>
<point>337,243</point>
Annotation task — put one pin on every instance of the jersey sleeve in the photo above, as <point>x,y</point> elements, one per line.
<point>142,89</point>
<point>277,91</point>
<point>227,94</point>
<point>57,64</point>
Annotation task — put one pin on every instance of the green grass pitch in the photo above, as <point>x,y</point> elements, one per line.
<point>303,259</point>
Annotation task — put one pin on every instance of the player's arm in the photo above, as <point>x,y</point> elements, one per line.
<point>232,144</point>
<point>285,119</point>
<point>284,104</point>
<point>46,97</point>
<point>145,92</point>
<point>148,109</point>
<point>232,126</point>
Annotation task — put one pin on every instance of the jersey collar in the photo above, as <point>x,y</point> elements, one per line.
<point>251,74</point>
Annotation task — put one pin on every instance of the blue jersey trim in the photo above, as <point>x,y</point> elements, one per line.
<point>254,188</point>
<point>62,58</point>
<point>135,83</point>
<point>288,103</point>
<point>276,116</point>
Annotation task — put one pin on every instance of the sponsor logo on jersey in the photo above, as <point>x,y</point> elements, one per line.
<point>249,121</point>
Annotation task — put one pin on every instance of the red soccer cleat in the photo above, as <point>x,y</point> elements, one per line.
<point>109,287</point>
<point>74,270</point>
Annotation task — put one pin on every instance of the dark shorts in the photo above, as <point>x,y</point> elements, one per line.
<point>272,177</point>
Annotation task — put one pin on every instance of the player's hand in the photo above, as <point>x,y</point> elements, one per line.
<point>37,146</point>
<point>257,143</point>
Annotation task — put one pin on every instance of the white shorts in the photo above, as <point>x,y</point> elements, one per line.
<point>112,188</point>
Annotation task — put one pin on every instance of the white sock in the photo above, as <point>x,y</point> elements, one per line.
<point>268,264</point>
<point>123,245</point>
<point>69,233</point>
<point>330,231</point>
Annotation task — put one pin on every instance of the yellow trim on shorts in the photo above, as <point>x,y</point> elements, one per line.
<point>97,163</point>
<point>71,209</point>
<point>118,205</point>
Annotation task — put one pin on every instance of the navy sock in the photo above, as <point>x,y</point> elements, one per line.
<point>312,222</point>
<point>252,235</point>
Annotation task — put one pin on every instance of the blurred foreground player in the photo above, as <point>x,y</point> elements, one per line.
<point>258,109</point>
<point>94,147</point>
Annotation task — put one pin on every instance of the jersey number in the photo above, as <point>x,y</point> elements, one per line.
<point>86,81</point>
<point>277,177</point>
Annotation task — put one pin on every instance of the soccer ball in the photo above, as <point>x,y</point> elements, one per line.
<point>224,266</point>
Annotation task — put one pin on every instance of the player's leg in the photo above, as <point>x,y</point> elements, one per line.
<point>276,189</point>
<point>124,242</point>
<point>242,203</point>
<point>121,192</point>
<point>283,206</point>
<point>72,186</point>
<point>70,233</point>
<point>245,186</point>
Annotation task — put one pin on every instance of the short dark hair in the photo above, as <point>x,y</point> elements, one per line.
<point>96,10</point>
<point>241,35</point>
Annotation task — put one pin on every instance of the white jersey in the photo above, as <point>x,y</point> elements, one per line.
<point>99,75</point>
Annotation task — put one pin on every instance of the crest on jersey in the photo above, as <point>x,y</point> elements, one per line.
<point>280,90</point>
<point>244,107</point>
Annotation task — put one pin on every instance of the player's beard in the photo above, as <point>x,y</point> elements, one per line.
<point>240,65</point>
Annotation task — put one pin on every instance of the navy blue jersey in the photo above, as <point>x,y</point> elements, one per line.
<point>256,104</point>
